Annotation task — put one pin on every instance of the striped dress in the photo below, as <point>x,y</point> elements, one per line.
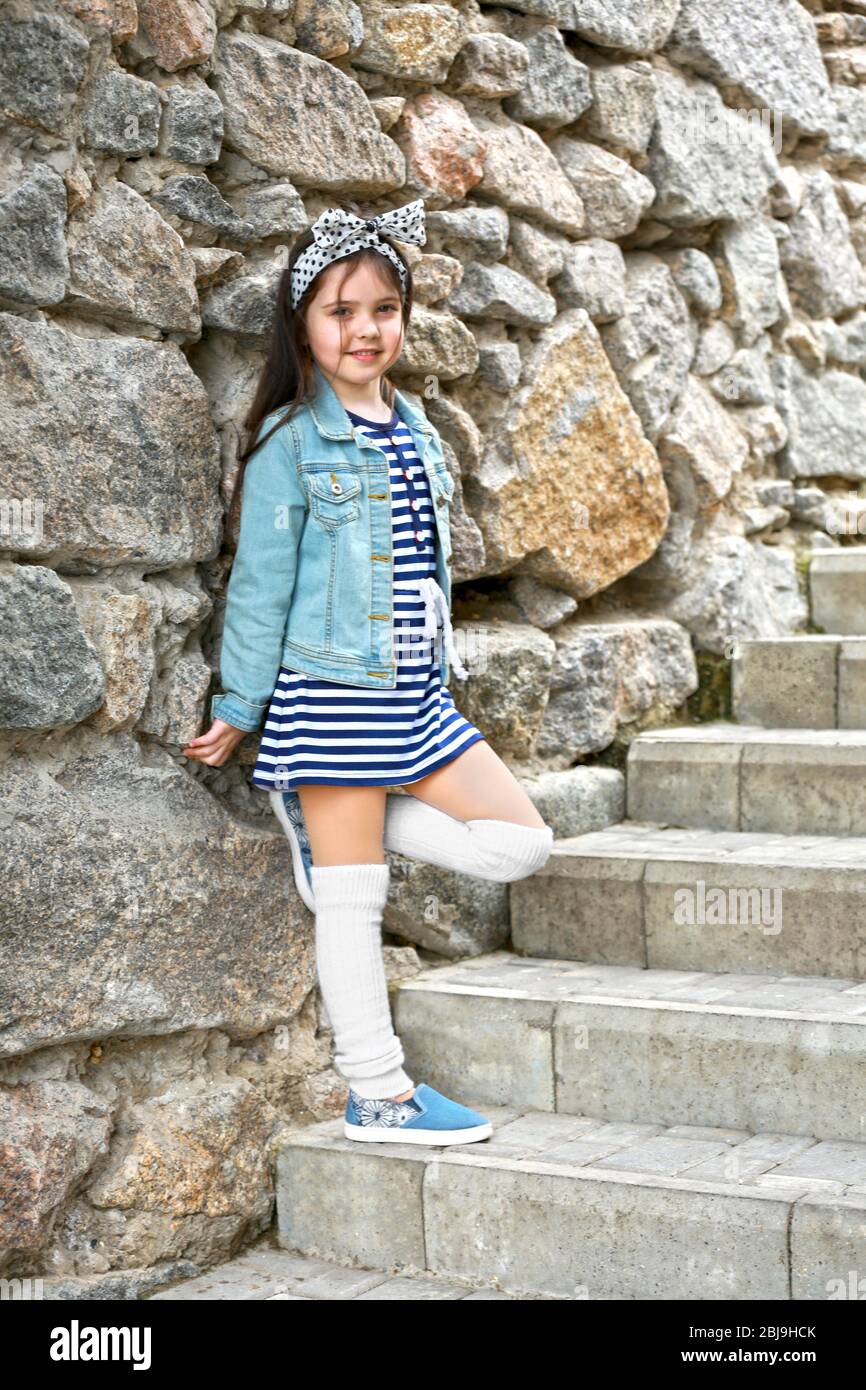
<point>327,733</point>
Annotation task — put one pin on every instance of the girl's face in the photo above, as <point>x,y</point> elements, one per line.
<point>359,338</point>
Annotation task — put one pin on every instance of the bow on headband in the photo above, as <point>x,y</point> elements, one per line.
<point>338,233</point>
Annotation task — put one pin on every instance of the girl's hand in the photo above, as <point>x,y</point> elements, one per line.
<point>216,745</point>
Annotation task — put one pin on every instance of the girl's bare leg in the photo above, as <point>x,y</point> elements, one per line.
<point>477,785</point>
<point>345,824</point>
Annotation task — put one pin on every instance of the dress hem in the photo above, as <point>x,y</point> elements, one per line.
<point>295,782</point>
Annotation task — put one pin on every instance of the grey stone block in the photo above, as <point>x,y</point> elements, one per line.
<point>787,682</point>
<point>837,589</point>
<point>617,1058</point>
<point>334,1206</point>
<point>581,908</point>
<point>828,1246</point>
<point>465,1042</point>
<point>581,1235</point>
<point>852,685</point>
<point>743,777</point>
<point>646,895</point>
<point>689,778</point>
<point>781,918</point>
<point>814,786</point>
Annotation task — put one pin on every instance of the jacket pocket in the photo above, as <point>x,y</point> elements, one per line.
<point>334,497</point>
<point>443,492</point>
<point>444,482</point>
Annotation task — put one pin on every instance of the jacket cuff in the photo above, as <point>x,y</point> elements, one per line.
<point>233,710</point>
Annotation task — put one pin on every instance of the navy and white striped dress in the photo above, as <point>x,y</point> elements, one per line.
<point>327,733</point>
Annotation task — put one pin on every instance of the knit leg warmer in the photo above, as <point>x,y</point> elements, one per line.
<point>350,901</point>
<point>492,849</point>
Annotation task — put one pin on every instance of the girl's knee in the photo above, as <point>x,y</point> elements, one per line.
<point>509,851</point>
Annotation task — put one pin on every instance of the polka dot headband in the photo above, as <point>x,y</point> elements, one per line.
<point>338,234</point>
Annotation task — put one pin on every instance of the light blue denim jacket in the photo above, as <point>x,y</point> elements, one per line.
<point>311,581</point>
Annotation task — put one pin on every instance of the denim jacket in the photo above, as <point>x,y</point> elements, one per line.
<point>311,581</point>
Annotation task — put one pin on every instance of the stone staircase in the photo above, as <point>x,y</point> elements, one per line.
<point>675,1058</point>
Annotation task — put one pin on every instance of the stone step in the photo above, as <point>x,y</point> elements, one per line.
<point>662,1046</point>
<point>808,682</point>
<point>574,1207</point>
<point>837,589</point>
<point>265,1272</point>
<point>645,894</point>
<point>723,776</point>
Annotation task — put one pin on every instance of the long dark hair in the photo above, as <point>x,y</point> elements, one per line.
<point>287,374</point>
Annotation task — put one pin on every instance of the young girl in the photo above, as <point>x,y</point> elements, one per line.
<point>341,571</point>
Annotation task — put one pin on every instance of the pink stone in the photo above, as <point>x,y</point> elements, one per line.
<point>444,150</point>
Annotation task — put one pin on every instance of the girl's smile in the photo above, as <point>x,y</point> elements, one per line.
<point>344,309</point>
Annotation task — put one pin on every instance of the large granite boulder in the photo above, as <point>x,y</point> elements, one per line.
<point>569,489</point>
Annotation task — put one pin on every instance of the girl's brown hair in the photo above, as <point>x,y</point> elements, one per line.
<point>287,374</point>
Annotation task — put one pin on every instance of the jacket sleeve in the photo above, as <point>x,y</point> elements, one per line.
<point>261,583</point>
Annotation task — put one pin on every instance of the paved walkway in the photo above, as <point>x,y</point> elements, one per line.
<point>266,1272</point>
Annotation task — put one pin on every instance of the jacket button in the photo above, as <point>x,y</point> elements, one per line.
<point>336,487</point>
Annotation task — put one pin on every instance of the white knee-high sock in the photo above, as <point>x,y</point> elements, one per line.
<point>492,849</point>
<point>350,900</point>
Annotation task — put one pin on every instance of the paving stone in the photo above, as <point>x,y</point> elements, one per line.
<point>661,1154</point>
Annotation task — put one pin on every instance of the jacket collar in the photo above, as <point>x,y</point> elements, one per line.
<point>330,417</point>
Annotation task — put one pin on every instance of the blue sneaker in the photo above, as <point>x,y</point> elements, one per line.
<point>427,1117</point>
<point>287,808</point>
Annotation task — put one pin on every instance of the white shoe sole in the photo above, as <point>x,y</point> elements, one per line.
<point>385,1134</point>
<point>303,887</point>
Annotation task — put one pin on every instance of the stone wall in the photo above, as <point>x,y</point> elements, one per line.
<point>640,329</point>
